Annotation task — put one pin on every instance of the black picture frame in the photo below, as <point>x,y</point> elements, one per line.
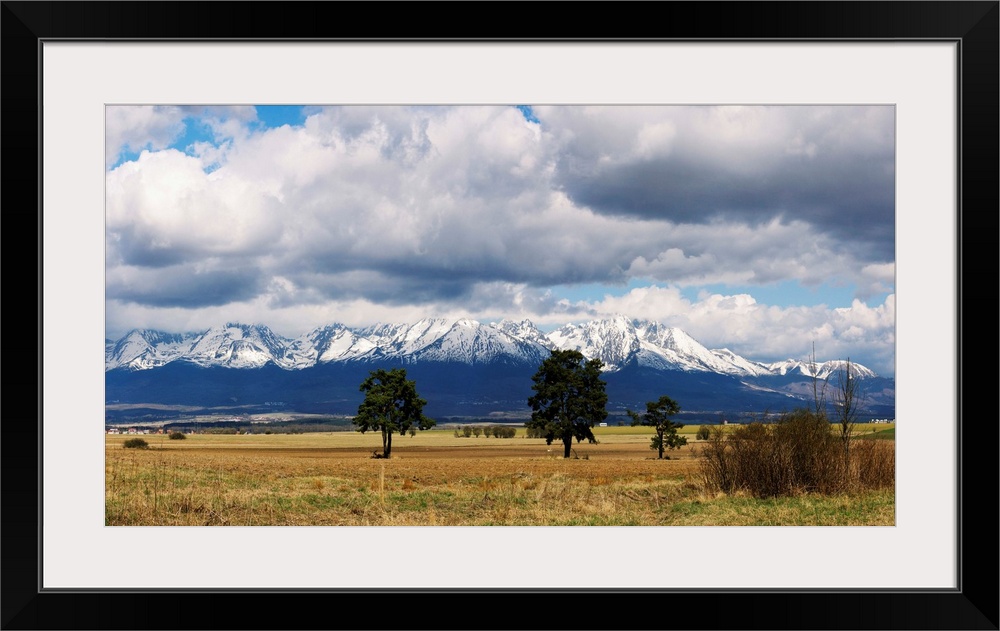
<point>972,605</point>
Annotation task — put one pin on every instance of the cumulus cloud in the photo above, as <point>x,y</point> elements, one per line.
<point>163,209</point>
<point>133,128</point>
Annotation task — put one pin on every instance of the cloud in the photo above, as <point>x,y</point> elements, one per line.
<point>832,167</point>
<point>137,127</point>
<point>184,285</point>
<point>766,332</point>
<point>163,209</point>
<point>133,128</point>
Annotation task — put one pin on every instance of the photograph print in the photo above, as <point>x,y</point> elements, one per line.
<point>510,315</point>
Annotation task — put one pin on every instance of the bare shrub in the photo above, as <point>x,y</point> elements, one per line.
<point>797,454</point>
<point>717,465</point>
<point>809,450</point>
<point>873,463</point>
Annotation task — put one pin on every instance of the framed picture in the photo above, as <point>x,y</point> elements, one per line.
<point>933,66</point>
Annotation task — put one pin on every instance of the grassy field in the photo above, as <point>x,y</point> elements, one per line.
<point>436,479</point>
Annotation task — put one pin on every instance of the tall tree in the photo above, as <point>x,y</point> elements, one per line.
<point>391,405</point>
<point>569,398</point>
<point>657,416</point>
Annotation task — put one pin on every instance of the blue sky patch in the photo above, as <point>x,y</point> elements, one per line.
<point>273,116</point>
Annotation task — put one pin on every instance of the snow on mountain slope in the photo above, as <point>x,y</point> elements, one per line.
<point>679,349</point>
<point>618,342</point>
<point>824,370</point>
<point>402,340</point>
<point>613,341</point>
<point>470,342</point>
<point>830,369</point>
<point>524,330</point>
<point>240,346</point>
<point>141,349</point>
<point>742,364</point>
<point>330,343</point>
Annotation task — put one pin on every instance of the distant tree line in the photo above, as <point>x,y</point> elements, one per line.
<point>296,426</point>
<point>496,431</point>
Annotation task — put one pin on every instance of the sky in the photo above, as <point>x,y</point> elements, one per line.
<point>761,229</point>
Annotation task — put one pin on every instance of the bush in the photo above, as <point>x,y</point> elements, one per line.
<point>135,443</point>
<point>874,462</point>
<point>534,432</point>
<point>797,454</point>
<point>177,436</point>
<point>703,432</point>
<point>505,431</point>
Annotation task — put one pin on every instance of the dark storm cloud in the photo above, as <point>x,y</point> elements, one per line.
<point>132,249</point>
<point>830,167</point>
<point>183,286</point>
<point>374,285</point>
<point>849,200</point>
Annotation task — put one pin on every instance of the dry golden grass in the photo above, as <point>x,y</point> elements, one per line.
<point>435,479</point>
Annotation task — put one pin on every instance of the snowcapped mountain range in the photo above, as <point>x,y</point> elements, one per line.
<point>618,342</point>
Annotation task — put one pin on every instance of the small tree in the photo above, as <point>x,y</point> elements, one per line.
<point>657,416</point>
<point>391,406</point>
<point>477,431</point>
<point>703,432</point>
<point>848,398</point>
<point>569,398</point>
